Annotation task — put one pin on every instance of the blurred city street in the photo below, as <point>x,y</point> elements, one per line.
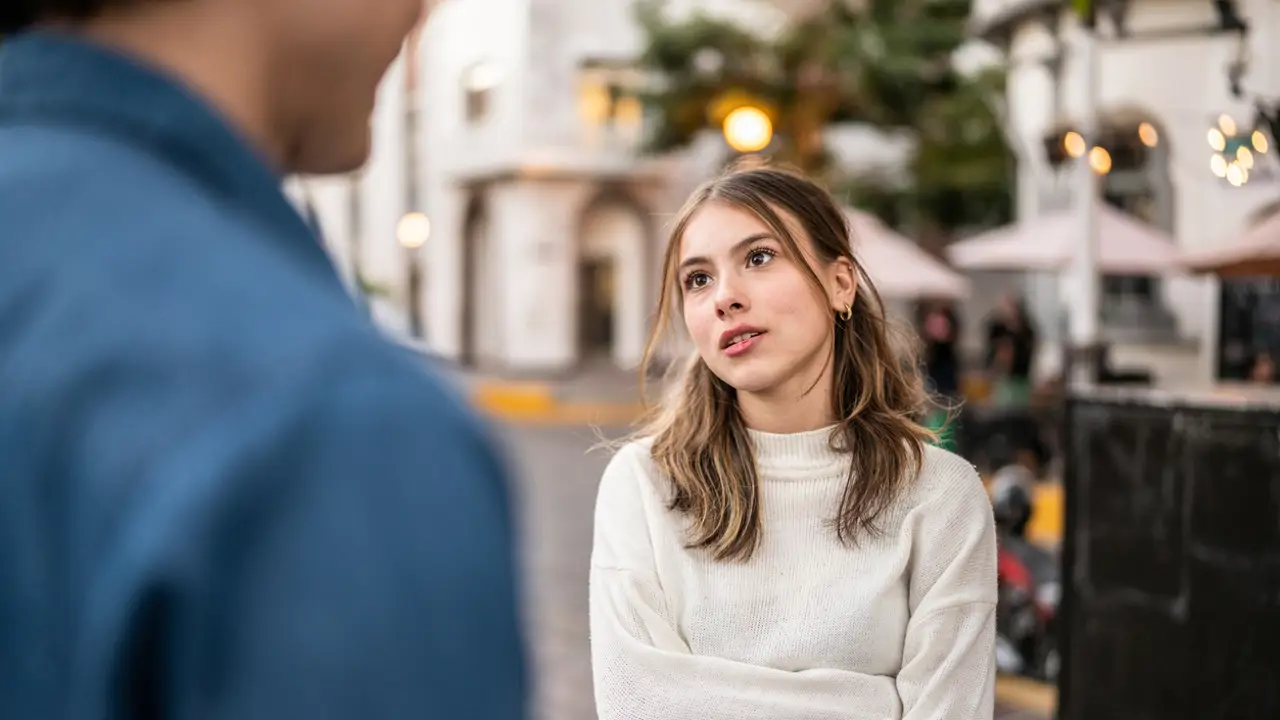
<point>1065,216</point>
<point>558,472</point>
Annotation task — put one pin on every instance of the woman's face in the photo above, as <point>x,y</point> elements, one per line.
<point>749,307</point>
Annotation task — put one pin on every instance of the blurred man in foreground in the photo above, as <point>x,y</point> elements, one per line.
<point>222,494</point>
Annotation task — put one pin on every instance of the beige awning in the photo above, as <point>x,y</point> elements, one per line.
<point>897,266</point>
<point>1255,252</point>
<point>1126,246</point>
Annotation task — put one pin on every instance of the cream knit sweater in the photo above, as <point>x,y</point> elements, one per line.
<point>900,626</point>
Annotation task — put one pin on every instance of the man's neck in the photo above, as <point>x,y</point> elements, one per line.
<point>215,54</point>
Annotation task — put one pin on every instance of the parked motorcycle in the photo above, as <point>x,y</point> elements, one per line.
<point>1029,584</point>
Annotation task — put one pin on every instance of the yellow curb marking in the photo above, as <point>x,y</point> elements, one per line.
<point>535,403</point>
<point>516,399</point>
<point>573,414</point>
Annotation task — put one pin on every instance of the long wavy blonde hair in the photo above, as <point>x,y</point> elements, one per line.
<point>699,439</point>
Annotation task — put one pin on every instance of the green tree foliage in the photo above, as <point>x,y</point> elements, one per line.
<point>883,62</point>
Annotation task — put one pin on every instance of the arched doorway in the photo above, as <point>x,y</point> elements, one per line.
<point>481,324</point>
<point>613,281</point>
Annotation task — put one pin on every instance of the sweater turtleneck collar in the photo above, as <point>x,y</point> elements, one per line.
<point>798,455</point>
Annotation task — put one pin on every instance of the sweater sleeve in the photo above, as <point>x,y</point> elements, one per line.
<point>948,664</point>
<point>642,667</point>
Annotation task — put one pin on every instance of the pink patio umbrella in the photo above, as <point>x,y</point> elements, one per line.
<point>898,267</point>
<point>1126,246</point>
<point>1255,252</point>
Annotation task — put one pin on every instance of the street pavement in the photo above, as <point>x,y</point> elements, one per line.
<point>557,474</point>
<point>557,485</point>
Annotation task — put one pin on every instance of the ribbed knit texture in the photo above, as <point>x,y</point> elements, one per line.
<point>898,626</point>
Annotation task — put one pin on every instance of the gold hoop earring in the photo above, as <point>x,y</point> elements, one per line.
<point>847,314</point>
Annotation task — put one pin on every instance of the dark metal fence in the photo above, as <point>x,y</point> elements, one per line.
<point>1171,558</point>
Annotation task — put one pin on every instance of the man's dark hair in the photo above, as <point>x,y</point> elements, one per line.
<point>18,15</point>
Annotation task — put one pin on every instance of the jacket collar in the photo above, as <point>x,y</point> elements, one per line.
<point>50,78</point>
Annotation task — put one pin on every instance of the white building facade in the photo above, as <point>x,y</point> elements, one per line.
<point>1165,100</point>
<point>514,126</point>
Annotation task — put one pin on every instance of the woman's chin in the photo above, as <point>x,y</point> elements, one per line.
<point>751,380</point>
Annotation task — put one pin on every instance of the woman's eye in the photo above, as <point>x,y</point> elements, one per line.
<point>759,257</point>
<point>696,280</point>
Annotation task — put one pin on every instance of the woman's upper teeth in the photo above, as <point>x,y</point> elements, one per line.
<point>743,336</point>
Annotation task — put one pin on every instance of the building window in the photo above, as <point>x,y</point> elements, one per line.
<point>479,81</point>
<point>1138,183</point>
<point>609,100</point>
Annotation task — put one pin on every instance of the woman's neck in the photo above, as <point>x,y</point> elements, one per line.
<point>798,405</point>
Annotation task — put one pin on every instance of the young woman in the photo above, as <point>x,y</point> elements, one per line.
<point>784,542</point>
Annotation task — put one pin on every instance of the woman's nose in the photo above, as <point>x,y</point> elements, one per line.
<point>729,300</point>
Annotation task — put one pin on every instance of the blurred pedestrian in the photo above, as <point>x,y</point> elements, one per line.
<point>224,495</point>
<point>1011,350</point>
<point>783,541</point>
<point>940,333</point>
